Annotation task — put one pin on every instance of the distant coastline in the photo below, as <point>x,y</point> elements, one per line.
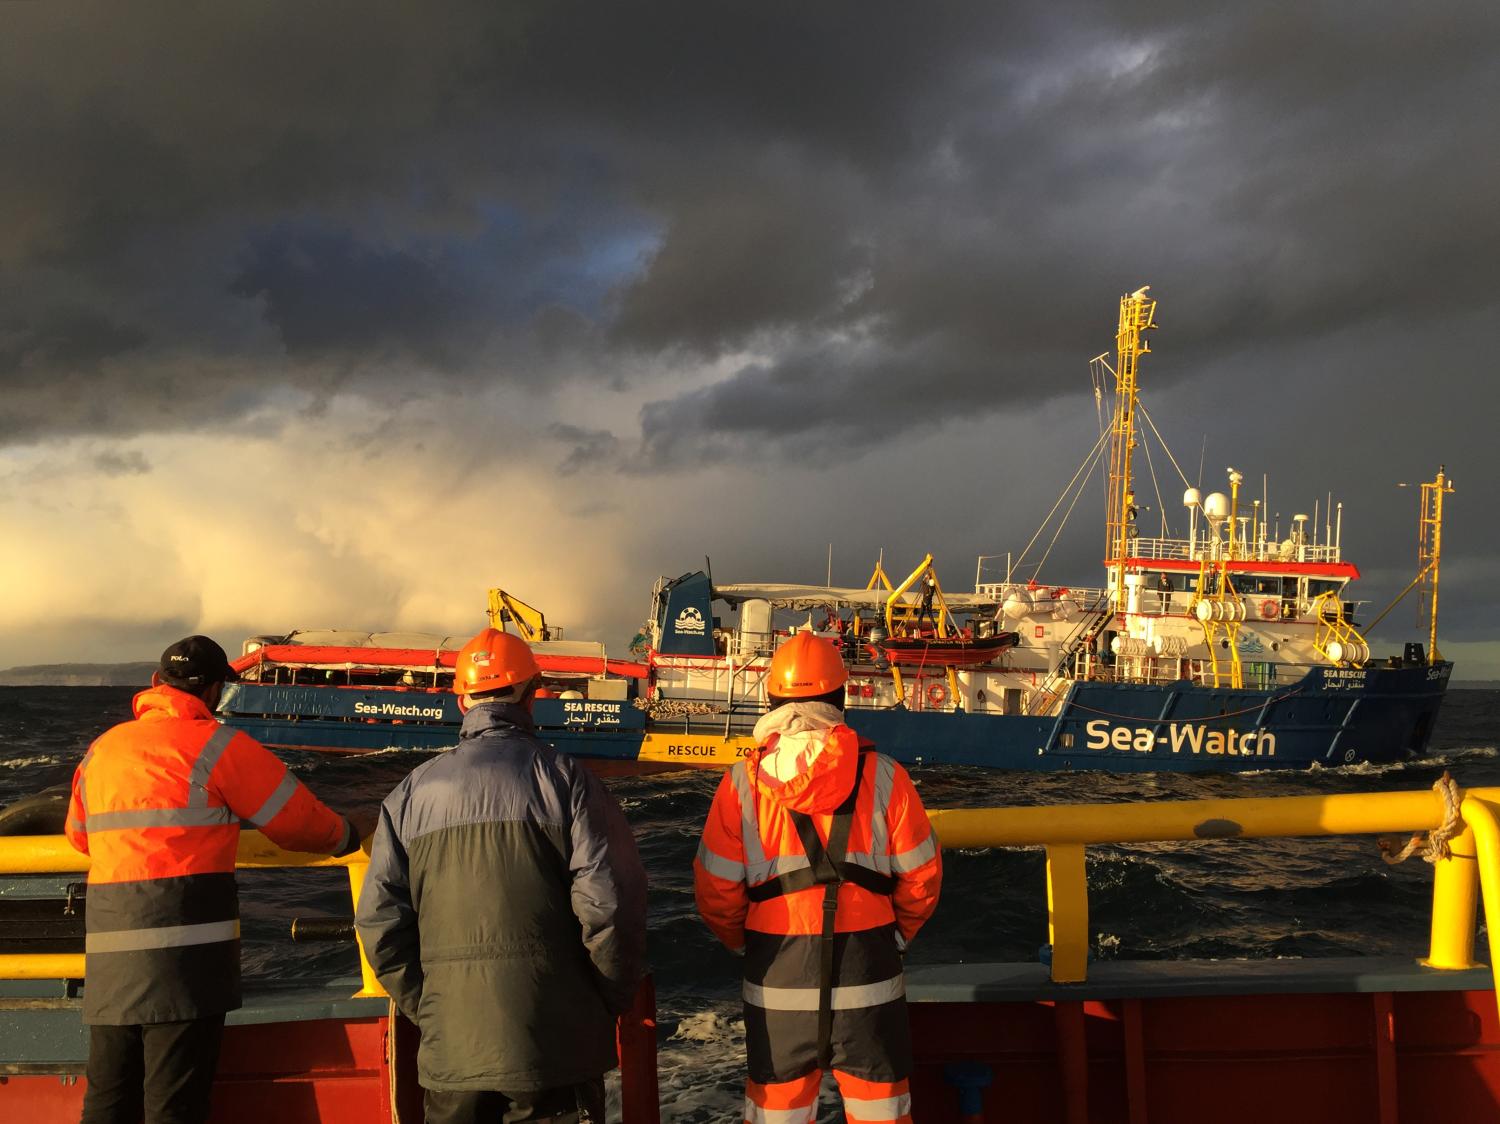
<point>79,675</point>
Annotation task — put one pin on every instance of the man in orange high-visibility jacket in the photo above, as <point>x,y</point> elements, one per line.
<point>157,804</point>
<point>819,862</point>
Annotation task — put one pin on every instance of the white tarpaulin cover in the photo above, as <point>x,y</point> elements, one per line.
<point>800,598</point>
<point>350,638</point>
<point>425,641</point>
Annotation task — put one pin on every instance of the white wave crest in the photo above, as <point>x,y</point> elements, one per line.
<point>27,762</point>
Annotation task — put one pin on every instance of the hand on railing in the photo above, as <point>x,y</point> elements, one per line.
<point>364,821</point>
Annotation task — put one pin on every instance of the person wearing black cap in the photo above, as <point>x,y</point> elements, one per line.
<point>157,804</point>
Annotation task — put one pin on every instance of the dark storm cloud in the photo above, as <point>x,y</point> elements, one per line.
<point>71,338</point>
<point>830,400</point>
<point>1277,176</point>
<point>324,293</point>
<point>898,215</point>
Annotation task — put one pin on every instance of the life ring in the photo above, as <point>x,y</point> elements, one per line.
<point>1270,609</point>
<point>937,693</point>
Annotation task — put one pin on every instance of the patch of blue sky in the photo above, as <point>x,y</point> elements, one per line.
<point>574,255</point>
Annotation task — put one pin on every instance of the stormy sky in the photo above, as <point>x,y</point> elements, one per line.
<point>336,314</point>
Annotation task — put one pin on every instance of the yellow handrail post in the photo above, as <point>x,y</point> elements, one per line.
<point>1067,912</point>
<point>1455,904</point>
<point>1480,816</point>
<point>357,872</point>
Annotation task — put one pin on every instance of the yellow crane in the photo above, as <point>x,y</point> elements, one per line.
<point>530,622</point>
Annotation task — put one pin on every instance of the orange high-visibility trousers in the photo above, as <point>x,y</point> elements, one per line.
<point>796,1102</point>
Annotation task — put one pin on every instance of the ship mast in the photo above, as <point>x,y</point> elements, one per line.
<point>1137,316</point>
<point>1430,546</point>
<point>1429,556</point>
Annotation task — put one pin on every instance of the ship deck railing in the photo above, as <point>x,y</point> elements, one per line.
<point>990,572</point>
<point>53,854</point>
<point>1470,869</point>
<point>1466,872</point>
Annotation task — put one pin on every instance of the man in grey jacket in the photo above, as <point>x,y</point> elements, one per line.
<point>505,909</point>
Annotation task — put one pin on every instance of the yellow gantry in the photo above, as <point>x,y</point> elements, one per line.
<point>939,605</point>
<point>1336,639</point>
<point>1217,605</point>
<point>895,604</point>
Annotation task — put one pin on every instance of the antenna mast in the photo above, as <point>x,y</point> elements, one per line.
<point>1430,546</point>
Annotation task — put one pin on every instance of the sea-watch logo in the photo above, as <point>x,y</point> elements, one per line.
<point>690,620</point>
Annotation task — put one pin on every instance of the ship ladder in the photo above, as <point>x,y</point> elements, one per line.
<point>1043,698</point>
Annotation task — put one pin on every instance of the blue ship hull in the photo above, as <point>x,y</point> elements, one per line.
<point>1333,716</point>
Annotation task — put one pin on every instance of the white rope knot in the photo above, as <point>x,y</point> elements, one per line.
<point>1434,845</point>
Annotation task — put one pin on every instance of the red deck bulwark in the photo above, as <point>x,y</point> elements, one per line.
<point>1342,1057</point>
<point>1372,1058</point>
<point>319,1072</point>
<point>323,1071</point>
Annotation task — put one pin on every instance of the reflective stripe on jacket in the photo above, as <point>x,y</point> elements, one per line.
<point>750,840</point>
<point>157,804</point>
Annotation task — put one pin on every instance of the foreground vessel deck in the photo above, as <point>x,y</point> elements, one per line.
<point>1356,1040</point>
<point>1325,1040</point>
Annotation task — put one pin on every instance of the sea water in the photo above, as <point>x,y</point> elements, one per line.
<point>1248,897</point>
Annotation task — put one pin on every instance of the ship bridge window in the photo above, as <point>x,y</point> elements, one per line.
<point>1317,586</point>
<point>1262,586</point>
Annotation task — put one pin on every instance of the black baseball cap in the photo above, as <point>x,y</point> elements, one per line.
<point>195,661</point>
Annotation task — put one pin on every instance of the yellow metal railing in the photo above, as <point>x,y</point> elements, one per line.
<point>52,854</point>
<point>1471,871</point>
<point>1065,830</point>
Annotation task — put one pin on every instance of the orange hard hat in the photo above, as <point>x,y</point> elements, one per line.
<point>805,667</point>
<point>491,661</point>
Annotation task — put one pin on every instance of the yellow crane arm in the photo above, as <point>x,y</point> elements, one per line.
<point>940,605</point>
<point>531,623</point>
